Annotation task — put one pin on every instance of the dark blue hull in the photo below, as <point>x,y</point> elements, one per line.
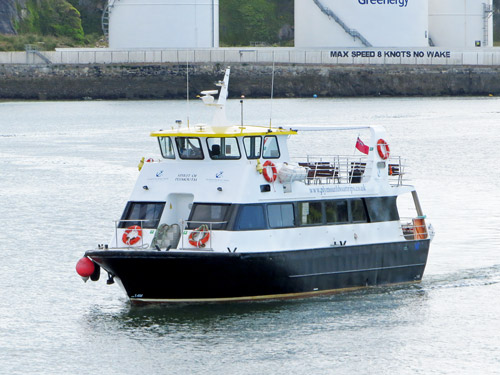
<point>151,276</point>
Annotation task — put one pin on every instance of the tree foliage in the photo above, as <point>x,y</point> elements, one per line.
<point>254,21</point>
<point>51,17</point>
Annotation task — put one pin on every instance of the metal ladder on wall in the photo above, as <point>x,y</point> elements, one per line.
<point>352,32</point>
<point>487,14</point>
<point>105,18</point>
<point>33,51</point>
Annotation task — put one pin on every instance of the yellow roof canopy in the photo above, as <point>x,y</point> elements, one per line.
<point>223,132</point>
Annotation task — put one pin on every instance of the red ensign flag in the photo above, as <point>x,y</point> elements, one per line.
<point>362,147</point>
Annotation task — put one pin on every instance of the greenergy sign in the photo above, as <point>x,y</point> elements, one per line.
<point>400,3</point>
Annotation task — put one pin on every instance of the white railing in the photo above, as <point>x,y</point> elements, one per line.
<point>347,169</point>
<point>199,231</point>
<point>414,228</point>
<point>140,244</point>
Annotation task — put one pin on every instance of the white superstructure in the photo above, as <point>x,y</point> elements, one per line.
<point>393,23</point>
<point>461,23</point>
<point>361,23</point>
<point>163,24</point>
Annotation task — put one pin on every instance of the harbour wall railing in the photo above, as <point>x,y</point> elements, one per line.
<point>333,56</point>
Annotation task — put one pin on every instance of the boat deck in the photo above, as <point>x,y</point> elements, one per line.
<point>347,169</point>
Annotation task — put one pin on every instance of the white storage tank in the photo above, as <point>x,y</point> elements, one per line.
<point>163,24</point>
<point>359,23</point>
<point>461,23</point>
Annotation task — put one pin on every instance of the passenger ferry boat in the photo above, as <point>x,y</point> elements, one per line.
<point>228,215</point>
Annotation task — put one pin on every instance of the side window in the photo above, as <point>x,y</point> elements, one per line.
<point>271,149</point>
<point>358,211</point>
<point>252,147</point>
<point>310,213</point>
<point>166,147</point>
<point>208,213</point>
<point>281,215</point>
<point>382,209</point>
<point>145,214</point>
<point>250,217</point>
<point>336,212</point>
<point>189,148</point>
<point>223,148</point>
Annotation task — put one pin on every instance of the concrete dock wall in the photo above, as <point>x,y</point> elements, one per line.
<point>344,56</point>
<point>168,80</point>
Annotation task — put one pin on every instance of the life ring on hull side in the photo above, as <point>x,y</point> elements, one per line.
<point>270,177</point>
<point>383,149</point>
<point>205,235</point>
<point>132,235</point>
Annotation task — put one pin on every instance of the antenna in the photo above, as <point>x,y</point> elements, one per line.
<point>187,86</point>
<point>272,95</point>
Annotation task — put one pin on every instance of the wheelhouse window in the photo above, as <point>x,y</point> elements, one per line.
<point>253,146</point>
<point>382,209</point>
<point>166,147</point>
<point>358,211</point>
<point>144,214</point>
<point>204,213</point>
<point>250,217</point>
<point>223,148</point>
<point>281,215</point>
<point>310,213</point>
<point>271,148</point>
<point>336,212</point>
<point>189,148</point>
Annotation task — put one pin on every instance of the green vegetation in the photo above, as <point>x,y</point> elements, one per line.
<point>52,17</point>
<point>72,23</point>
<point>256,22</point>
<point>54,23</point>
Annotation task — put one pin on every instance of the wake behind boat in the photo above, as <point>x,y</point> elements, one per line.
<point>228,214</point>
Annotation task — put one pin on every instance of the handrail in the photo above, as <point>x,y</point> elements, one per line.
<point>129,221</point>
<point>341,169</point>
<point>105,18</point>
<point>352,32</point>
<point>210,224</point>
<point>416,229</point>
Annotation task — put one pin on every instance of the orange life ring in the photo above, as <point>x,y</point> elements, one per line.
<point>270,177</point>
<point>383,149</point>
<point>205,235</point>
<point>132,235</point>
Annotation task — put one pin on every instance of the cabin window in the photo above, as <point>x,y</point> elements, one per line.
<point>223,148</point>
<point>382,209</point>
<point>310,213</point>
<point>145,214</point>
<point>189,148</point>
<point>281,215</point>
<point>336,212</point>
<point>271,148</point>
<point>166,147</point>
<point>358,211</point>
<point>252,146</point>
<point>250,217</point>
<point>202,213</point>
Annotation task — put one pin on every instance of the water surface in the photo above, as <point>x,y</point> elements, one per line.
<point>67,169</point>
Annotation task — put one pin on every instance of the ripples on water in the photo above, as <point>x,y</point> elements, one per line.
<point>67,171</point>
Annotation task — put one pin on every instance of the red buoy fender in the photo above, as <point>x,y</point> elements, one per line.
<point>270,172</point>
<point>85,267</point>
<point>383,149</point>
<point>132,235</point>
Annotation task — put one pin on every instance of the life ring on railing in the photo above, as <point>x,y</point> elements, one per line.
<point>132,235</point>
<point>205,235</point>
<point>383,149</point>
<point>270,177</point>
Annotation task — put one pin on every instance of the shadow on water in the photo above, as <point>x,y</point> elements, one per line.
<point>389,305</point>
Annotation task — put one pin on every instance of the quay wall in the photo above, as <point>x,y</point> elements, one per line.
<point>162,74</point>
